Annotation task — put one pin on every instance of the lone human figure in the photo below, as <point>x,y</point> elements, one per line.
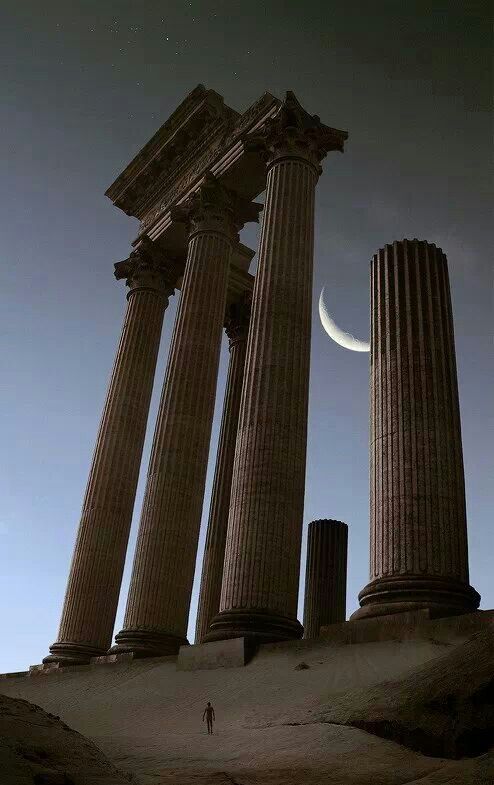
<point>209,714</point>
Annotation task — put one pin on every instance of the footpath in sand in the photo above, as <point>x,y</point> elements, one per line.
<point>273,716</point>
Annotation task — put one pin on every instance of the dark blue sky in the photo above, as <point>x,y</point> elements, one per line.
<point>83,86</point>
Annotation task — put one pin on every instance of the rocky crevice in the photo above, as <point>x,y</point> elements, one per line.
<point>443,709</point>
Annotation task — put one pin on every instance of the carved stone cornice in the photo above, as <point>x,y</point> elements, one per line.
<point>174,187</point>
<point>200,117</point>
<point>237,319</point>
<point>214,208</point>
<point>162,173</point>
<point>148,268</point>
<point>219,145</point>
<point>294,133</point>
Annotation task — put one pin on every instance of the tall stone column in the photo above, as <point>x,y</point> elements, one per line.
<point>419,553</point>
<point>237,324</point>
<point>161,584</point>
<point>93,588</point>
<point>325,576</point>
<point>262,558</point>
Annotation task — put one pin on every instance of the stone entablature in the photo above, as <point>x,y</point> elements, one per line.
<point>202,113</point>
<point>203,135</point>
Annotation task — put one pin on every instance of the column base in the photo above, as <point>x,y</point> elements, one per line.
<point>397,594</point>
<point>256,625</point>
<point>147,643</point>
<point>67,653</point>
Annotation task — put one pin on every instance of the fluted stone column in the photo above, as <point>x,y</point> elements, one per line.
<point>419,552</point>
<point>325,575</point>
<point>93,588</point>
<point>262,558</point>
<point>161,584</point>
<point>237,323</point>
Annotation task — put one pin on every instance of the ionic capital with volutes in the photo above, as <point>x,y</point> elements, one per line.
<point>148,268</point>
<point>293,133</point>
<point>215,208</point>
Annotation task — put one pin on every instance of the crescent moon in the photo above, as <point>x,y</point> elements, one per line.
<point>344,339</point>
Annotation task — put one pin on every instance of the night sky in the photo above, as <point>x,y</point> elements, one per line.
<point>83,86</point>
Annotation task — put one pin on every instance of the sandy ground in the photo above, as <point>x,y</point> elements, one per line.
<point>146,717</point>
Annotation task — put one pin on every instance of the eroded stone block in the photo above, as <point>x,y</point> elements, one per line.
<point>233,653</point>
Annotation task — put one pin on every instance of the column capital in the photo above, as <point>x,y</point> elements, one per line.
<point>237,319</point>
<point>215,208</point>
<point>148,268</point>
<point>293,133</point>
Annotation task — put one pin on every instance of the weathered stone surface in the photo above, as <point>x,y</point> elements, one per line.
<point>110,659</point>
<point>44,667</point>
<point>325,575</point>
<point>198,124</point>
<point>93,587</point>
<point>419,552</point>
<point>202,135</point>
<point>233,653</point>
<point>443,709</point>
<point>237,324</point>
<point>262,557</point>
<point>161,584</point>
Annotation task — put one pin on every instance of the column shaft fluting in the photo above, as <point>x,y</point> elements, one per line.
<point>161,584</point>
<point>93,588</point>
<point>159,594</point>
<point>262,558</point>
<point>325,576</point>
<point>214,551</point>
<point>419,551</point>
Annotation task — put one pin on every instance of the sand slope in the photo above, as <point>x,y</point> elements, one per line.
<point>146,716</point>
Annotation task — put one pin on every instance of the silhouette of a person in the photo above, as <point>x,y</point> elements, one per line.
<point>209,715</point>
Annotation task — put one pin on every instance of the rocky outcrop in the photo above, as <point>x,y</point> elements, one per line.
<point>444,708</point>
<point>37,748</point>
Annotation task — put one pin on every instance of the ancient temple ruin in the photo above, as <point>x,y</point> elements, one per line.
<point>193,187</point>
